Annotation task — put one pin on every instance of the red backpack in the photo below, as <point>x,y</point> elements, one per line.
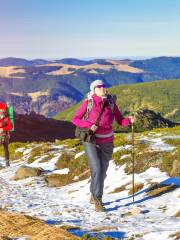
<point>3,114</point>
<point>4,136</point>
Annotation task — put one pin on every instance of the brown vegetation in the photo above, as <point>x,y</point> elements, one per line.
<point>176,236</point>
<point>177,214</point>
<point>157,189</point>
<point>69,69</point>
<point>7,72</point>
<point>119,189</point>
<point>17,225</point>
<point>137,188</point>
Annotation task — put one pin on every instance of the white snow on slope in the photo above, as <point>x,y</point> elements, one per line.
<point>62,171</point>
<point>70,204</point>
<point>46,165</point>
<point>79,154</point>
<point>157,144</point>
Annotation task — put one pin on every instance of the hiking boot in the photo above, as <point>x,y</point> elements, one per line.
<point>7,163</point>
<point>92,201</point>
<point>99,205</point>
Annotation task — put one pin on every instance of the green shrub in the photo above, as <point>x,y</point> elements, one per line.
<point>38,151</point>
<point>14,155</point>
<point>64,160</point>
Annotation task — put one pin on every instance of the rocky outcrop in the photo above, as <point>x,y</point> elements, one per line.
<point>147,120</point>
<point>26,171</point>
<point>35,127</point>
<point>58,180</point>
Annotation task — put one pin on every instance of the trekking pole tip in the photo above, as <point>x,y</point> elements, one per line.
<point>136,210</point>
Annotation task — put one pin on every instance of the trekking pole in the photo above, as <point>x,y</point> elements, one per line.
<point>133,158</point>
<point>135,210</point>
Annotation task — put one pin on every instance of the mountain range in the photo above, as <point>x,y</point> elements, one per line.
<point>50,86</point>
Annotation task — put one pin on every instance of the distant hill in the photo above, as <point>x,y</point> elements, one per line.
<point>12,61</point>
<point>163,67</point>
<point>50,86</point>
<point>34,127</point>
<point>73,61</point>
<point>159,96</point>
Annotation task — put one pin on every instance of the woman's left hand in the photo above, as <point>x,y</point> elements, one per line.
<point>93,127</point>
<point>131,119</point>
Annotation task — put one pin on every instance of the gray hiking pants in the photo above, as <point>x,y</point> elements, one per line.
<point>6,150</point>
<point>98,159</point>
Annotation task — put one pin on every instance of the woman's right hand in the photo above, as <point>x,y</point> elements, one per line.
<point>131,119</point>
<point>94,127</point>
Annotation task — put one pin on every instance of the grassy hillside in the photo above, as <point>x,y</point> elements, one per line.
<point>164,67</point>
<point>159,96</point>
<point>147,154</point>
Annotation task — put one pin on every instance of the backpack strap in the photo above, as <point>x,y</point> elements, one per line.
<point>89,107</point>
<point>112,100</point>
<point>10,112</point>
<point>99,116</point>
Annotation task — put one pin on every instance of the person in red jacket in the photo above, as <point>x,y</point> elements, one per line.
<point>100,153</point>
<point>5,128</point>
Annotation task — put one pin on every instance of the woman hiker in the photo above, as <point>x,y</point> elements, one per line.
<point>99,153</point>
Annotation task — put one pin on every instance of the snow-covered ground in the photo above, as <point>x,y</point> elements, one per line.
<point>70,204</point>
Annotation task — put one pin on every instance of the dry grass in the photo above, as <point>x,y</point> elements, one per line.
<point>157,189</point>
<point>36,95</point>
<point>69,69</point>
<point>119,189</point>
<point>173,112</point>
<point>144,159</point>
<point>104,228</point>
<point>177,214</point>
<point>64,160</point>
<point>39,151</point>
<point>176,236</point>
<point>59,180</point>
<point>17,225</point>
<point>7,72</point>
<point>78,167</point>
<point>137,188</point>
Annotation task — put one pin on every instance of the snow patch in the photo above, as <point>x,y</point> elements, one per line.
<point>126,147</point>
<point>79,154</point>
<point>62,171</point>
<point>46,165</point>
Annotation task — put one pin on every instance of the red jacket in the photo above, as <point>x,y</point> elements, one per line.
<point>8,127</point>
<point>5,123</point>
<point>107,118</point>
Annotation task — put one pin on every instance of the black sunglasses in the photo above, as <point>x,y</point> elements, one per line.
<point>101,86</point>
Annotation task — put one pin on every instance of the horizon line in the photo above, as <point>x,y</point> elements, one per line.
<point>91,58</point>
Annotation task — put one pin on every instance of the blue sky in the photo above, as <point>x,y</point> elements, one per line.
<point>89,28</point>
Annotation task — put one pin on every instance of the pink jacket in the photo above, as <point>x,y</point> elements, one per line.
<point>107,118</point>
